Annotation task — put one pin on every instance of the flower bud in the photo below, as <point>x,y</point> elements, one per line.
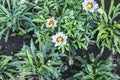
<point>71,61</point>
<point>100,11</point>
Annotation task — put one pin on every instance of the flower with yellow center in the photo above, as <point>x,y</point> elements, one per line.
<point>51,22</point>
<point>89,5</point>
<point>59,39</point>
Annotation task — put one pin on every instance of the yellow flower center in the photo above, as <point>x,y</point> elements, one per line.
<point>52,23</point>
<point>59,39</point>
<point>89,5</point>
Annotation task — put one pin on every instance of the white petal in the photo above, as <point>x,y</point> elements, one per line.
<point>48,21</point>
<point>59,34</point>
<point>95,5</point>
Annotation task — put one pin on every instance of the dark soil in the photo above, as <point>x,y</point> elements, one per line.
<point>14,43</point>
<point>94,49</point>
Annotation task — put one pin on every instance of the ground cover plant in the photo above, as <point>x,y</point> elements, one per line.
<point>49,35</point>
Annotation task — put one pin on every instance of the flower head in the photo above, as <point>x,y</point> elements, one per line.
<point>90,5</point>
<point>51,22</point>
<point>59,39</point>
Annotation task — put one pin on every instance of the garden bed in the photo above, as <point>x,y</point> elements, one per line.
<point>33,48</point>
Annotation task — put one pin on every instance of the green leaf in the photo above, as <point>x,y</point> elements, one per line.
<point>90,68</point>
<point>32,47</point>
<point>29,57</point>
<point>103,4</point>
<point>10,75</point>
<point>111,8</point>
<point>21,33</point>
<point>1,77</point>
<point>80,59</point>
<point>4,62</point>
<point>117,25</point>
<point>38,20</point>
<point>7,36</point>
<point>4,10</point>
<point>79,74</point>
<point>39,69</point>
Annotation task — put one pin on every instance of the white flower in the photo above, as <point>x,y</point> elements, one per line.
<point>101,11</point>
<point>21,2</point>
<point>59,39</point>
<point>89,5</point>
<point>51,22</point>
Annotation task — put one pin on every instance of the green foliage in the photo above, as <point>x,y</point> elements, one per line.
<point>108,29</point>
<point>14,17</point>
<point>76,24</point>
<point>36,64</point>
<point>6,69</point>
<point>95,69</point>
